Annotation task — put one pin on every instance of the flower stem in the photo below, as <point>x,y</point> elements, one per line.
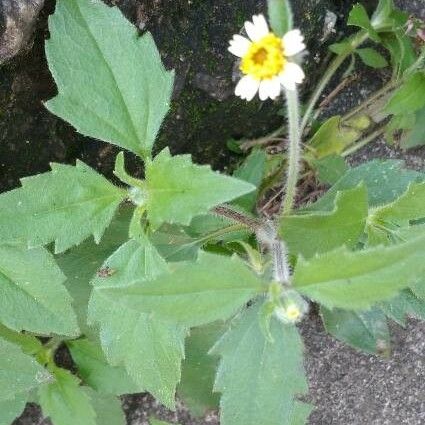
<point>294,153</point>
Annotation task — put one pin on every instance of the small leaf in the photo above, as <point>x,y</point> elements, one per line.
<point>341,47</point>
<point>317,232</point>
<point>384,180</point>
<point>19,373</point>
<point>129,97</point>
<point>252,170</point>
<point>32,295</point>
<point>359,18</point>
<point>259,379</point>
<point>416,136</point>
<point>364,330</point>
<point>65,402</point>
<point>64,206</point>
<point>409,97</point>
<point>358,280</point>
<point>96,372</point>
<point>372,58</point>
<point>330,168</point>
<point>280,15</point>
<point>198,370</point>
<point>193,294</point>
<point>108,408</point>
<point>178,190</point>
<point>381,18</point>
<point>151,350</point>
<point>11,409</point>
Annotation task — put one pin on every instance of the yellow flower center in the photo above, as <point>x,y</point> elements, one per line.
<point>293,312</point>
<point>265,58</point>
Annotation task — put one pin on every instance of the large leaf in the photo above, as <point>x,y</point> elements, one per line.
<point>64,206</point>
<point>96,372</point>
<point>65,402</point>
<point>199,368</point>
<point>151,350</point>
<point>112,84</point>
<point>280,15</point>
<point>365,330</point>
<point>11,409</point>
<point>358,280</point>
<point>19,373</point>
<point>259,378</point>
<point>32,295</point>
<point>384,180</point>
<point>317,232</point>
<point>212,288</point>
<point>178,190</point>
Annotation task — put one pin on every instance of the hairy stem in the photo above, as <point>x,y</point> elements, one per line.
<point>280,261</point>
<point>294,150</point>
<point>228,212</point>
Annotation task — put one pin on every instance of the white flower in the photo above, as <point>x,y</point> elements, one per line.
<point>267,60</point>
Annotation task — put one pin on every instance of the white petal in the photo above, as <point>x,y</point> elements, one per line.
<point>247,88</point>
<point>291,75</point>
<point>293,42</point>
<point>269,88</point>
<point>257,29</point>
<point>239,45</point>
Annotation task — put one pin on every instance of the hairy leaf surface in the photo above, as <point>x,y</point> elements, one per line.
<point>11,409</point>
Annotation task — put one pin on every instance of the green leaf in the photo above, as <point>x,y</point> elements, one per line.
<point>178,190</point>
<point>65,402</point>
<point>94,369</point>
<point>198,370</point>
<point>359,18</point>
<point>11,409</point>
<point>252,170</point>
<point>341,47</point>
<point>301,413</point>
<point>409,206</point>
<point>330,168</point>
<point>129,97</point>
<point>64,206</point>
<point>193,294</point>
<point>364,330</point>
<point>19,372</point>
<point>333,137</point>
<point>280,16</point>
<point>381,18</point>
<point>151,350</point>
<point>400,46</point>
<point>108,408</point>
<point>384,180</point>
<point>318,232</point>
<point>259,378</point>
<point>417,135</point>
<point>358,280</point>
<point>32,295</point>
<point>409,97</point>
<point>29,344</point>
<point>372,58</point>
<point>404,304</point>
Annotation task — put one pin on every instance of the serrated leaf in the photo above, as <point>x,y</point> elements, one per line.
<point>178,190</point>
<point>359,18</point>
<point>317,232</point>
<point>409,206</point>
<point>19,372</point>
<point>108,408</point>
<point>372,58</point>
<point>364,330</point>
<point>358,280</point>
<point>64,206</point>
<point>409,97</point>
<point>252,170</point>
<point>193,294</point>
<point>384,180</point>
<point>32,295</point>
<point>199,368</point>
<point>259,379</point>
<point>127,100</point>
<point>11,409</point>
<point>65,402</point>
<point>280,16</point>
<point>94,369</point>
<point>151,350</point>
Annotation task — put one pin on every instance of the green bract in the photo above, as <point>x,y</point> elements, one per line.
<point>190,281</point>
